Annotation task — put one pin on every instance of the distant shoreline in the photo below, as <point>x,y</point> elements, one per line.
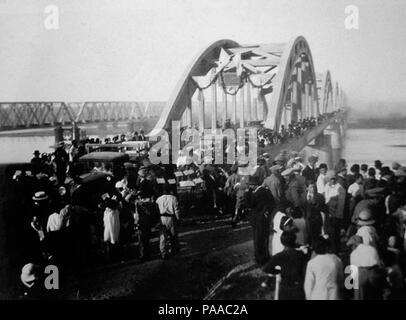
<point>378,123</point>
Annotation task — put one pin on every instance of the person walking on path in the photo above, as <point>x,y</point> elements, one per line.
<point>169,215</point>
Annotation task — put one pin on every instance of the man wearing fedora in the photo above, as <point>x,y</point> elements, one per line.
<point>42,207</point>
<point>310,172</point>
<point>36,162</point>
<point>335,200</point>
<point>275,183</point>
<point>296,190</point>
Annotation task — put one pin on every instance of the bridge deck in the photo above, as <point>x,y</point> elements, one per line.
<point>298,143</point>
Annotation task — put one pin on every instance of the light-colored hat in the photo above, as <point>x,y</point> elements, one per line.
<point>401,172</point>
<point>280,158</point>
<point>290,163</point>
<point>142,172</point>
<point>297,167</point>
<point>28,273</point>
<point>40,195</point>
<point>313,158</point>
<point>275,168</point>
<point>287,172</point>
<point>119,184</point>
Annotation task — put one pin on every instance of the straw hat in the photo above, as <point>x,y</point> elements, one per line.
<point>28,273</point>
<point>40,195</point>
<point>287,172</point>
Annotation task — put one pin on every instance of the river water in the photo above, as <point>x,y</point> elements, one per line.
<point>360,146</point>
<point>368,145</point>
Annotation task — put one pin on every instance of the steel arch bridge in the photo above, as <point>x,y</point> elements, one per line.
<point>271,83</point>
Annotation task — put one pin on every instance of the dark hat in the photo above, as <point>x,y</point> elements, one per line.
<point>378,163</point>
<point>275,168</point>
<point>340,167</point>
<point>110,203</point>
<point>396,165</point>
<point>375,192</point>
<point>365,218</point>
<point>36,152</point>
<point>261,161</point>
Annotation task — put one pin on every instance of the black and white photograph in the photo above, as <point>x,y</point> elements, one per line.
<point>216,151</point>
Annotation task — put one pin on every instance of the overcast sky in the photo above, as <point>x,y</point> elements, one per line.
<point>138,49</point>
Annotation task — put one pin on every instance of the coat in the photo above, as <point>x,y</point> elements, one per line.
<point>310,174</point>
<point>324,275</point>
<point>274,184</point>
<point>296,192</point>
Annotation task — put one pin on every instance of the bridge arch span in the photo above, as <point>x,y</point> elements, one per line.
<point>326,95</point>
<point>186,87</point>
<point>295,72</point>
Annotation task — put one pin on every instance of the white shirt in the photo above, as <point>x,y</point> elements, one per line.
<point>321,183</point>
<point>333,191</point>
<point>355,189</point>
<point>55,222</point>
<point>182,160</point>
<point>168,204</point>
<point>364,256</point>
<point>277,245</point>
<point>324,275</point>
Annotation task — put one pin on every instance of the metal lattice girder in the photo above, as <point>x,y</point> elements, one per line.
<point>45,113</point>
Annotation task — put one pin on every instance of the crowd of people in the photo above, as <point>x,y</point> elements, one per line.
<point>323,220</point>
<point>269,137</point>
<point>320,219</point>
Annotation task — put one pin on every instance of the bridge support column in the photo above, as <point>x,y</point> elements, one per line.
<point>321,147</point>
<point>242,110</point>
<point>336,145</point>
<point>188,112</point>
<point>307,105</point>
<point>234,110</point>
<point>249,105</point>
<point>58,132</point>
<point>201,110</point>
<point>224,117</point>
<point>75,132</point>
<point>255,110</point>
<point>214,103</point>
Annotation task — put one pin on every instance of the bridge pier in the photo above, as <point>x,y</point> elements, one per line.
<point>333,130</point>
<point>321,147</point>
